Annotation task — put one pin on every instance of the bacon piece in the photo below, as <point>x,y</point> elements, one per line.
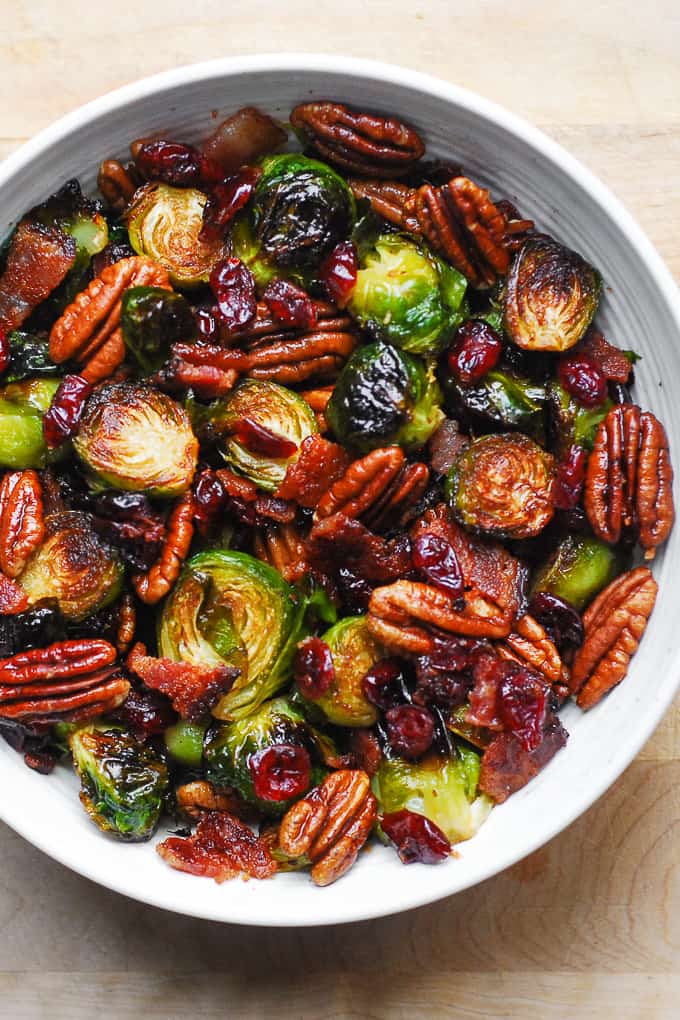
<point>611,361</point>
<point>445,445</point>
<point>507,767</point>
<point>193,690</point>
<point>319,463</point>
<point>337,542</point>
<point>37,262</point>
<point>221,848</point>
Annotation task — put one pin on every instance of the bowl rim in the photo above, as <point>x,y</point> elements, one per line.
<point>535,139</point>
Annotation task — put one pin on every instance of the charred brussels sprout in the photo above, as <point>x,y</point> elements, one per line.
<point>354,652</point>
<point>384,396</point>
<point>502,485</point>
<point>153,319</point>
<point>165,223</point>
<point>72,566</point>
<point>79,217</point>
<point>551,296</point>
<point>123,783</point>
<point>135,438</point>
<point>22,407</point>
<point>501,400</point>
<point>29,357</point>
<point>571,422</point>
<point>441,788</point>
<point>406,295</point>
<point>229,607</point>
<point>580,567</point>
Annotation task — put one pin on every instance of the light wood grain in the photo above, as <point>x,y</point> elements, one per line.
<point>590,925</point>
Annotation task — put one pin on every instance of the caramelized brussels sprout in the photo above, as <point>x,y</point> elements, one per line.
<point>441,788</point>
<point>22,407</point>
<point>79,217</point>
<point>384,396</point>
<point>502,485</point>
<point>571,422</point>
<point>29,357</point>
<point>135,438</point>
<point>502,400</point>
<point>406,295</point>
<point>123,783</point>
<point>165,223</point>
<point>262,426</point>
<point>551,296</point>
<point>579,568</point>
<point>72,566</point>
<point>353,651</point>
<point>152,319</point>
<point>229,607</point>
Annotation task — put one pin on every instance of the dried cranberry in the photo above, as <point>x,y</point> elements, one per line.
<point>571,474</point>
<point>225,200</point>
<point>41,761</point>
<point>410,730</point>
<point>476,350</point>
<point>259,439</point>
<point>523,705</point>
<point>355,590</point>
<point>65,411</point>
<point>176,163</point>
<point>209,498</point>
<point>280,772</point>
<point>233,285</point>
<point>207,324</point>
<point>290,304</point>
<point>562,622</point>
<point>439,689</point>
<point>583,380</point>
<point>382,685</point>
<point>436,559</point>
<point>416,838</point>
<point>5,351</point>
<point>454,654</point>
<point>146,714</point>
<point>313,669</point>
<point>338,273</point>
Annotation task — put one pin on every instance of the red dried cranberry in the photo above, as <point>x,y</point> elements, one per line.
<point>313,669</point>
<point>259,439</point>
<point>5,351</point>
<point>233,285</point>
<point>290,304</point>
<point>280,772</point>
<point>207,324</point>
<point>209,498</point>
<point>146,714</point>
<point>225,200</point>
<point>562,622</point>
<point>583,380</point>
<point>454,654</point>
<point>65,411</point>
<point>523,705</point>
<point>338,273</point>
<point>416,838</point>
<point>381,684</point>
<point>436,559</point>
<point>438,688</point>
<point>476,350</point>
<point>176,163</point>
<point>40,761</point>
<point>410,730</point>
<point>571,474</point>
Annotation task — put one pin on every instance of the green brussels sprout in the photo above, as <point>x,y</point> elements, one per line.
<point>579,568</point>
<point>184,742</point>
<point>79,217</point>
<point>152,319</point>
<point>501,400</point>
<point>571,422</point>
<point>551,295</point>
<point>135,438</point>
<point>255,405</point>
<point>73,566</point>
<point>300,209</point>
<point>123,783</point>
<point>444,789</point>
<point>384,396</point>
<point>407,296</point>
<point>165,223</point>
<point>228,749</point>
<point>502,485</point>
<point>354,652</point>
<point>230,607</point>
<point>29,357</point>
<point>22,408</point>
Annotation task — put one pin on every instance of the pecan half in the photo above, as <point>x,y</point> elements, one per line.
<point>392,200</point>
<point>116,184</point>
<point>127,621</point>
<point>72,680</point>
<point>89,330</point>
<point>331,824</point>
<point>282,546</point>
<point>22,527</point>
<point>376,488</point>
<point>629,479</point>
<point>528,643</point>
<point>152,586</point>
<point>198,797</point>
<point>37,262</point>
<point>614,625</point>
<point>361,142</point>
<point>318,401</point>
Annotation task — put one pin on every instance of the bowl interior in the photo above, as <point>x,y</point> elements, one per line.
<point>639,310</point>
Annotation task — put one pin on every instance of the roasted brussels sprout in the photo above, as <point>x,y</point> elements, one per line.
<point>551,296</point>
<point>135,438</point>
<point>384,396</point>
<point>406,295</point>
<point>229,607</point>
<point>579,568</point>
<point>262,425</point>
<point>72,566</point>
<point>123,783</point>
<point>22,407</point>
<point>502,400</point>
<point>79,217</point>
<point>29,357</point>
<point>153,319</point>
<point>165,223</point>
<point>354,652</point>
<point>571,422</point>
<point>502,485</point>
<point>444,789</point>
<point>184,742</point>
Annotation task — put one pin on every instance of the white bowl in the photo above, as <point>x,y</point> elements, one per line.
<point>640,310</point>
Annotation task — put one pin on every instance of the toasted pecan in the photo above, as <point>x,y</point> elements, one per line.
<point>22,526</point>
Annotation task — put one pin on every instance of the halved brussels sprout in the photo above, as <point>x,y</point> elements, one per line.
<point>135,438</point>
<point>551,296</point>
<point>354,652</point>
<point>152,319</point>
<point>72,566</point>
<point>165,223</point>
<point>406,295</point>
<point>29,357</point>
<point>571,422</point>
<point>22,408</point>
<point>501,400</point>
<point>250,421</point>
<point>441,788</point>
<point>384,396</point>
<point>579,568</point>
<point>502,485</point>
<point>123,783</point>
<point>229,607</point>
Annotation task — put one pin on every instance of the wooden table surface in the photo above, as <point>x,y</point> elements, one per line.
<point>589,926</point>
